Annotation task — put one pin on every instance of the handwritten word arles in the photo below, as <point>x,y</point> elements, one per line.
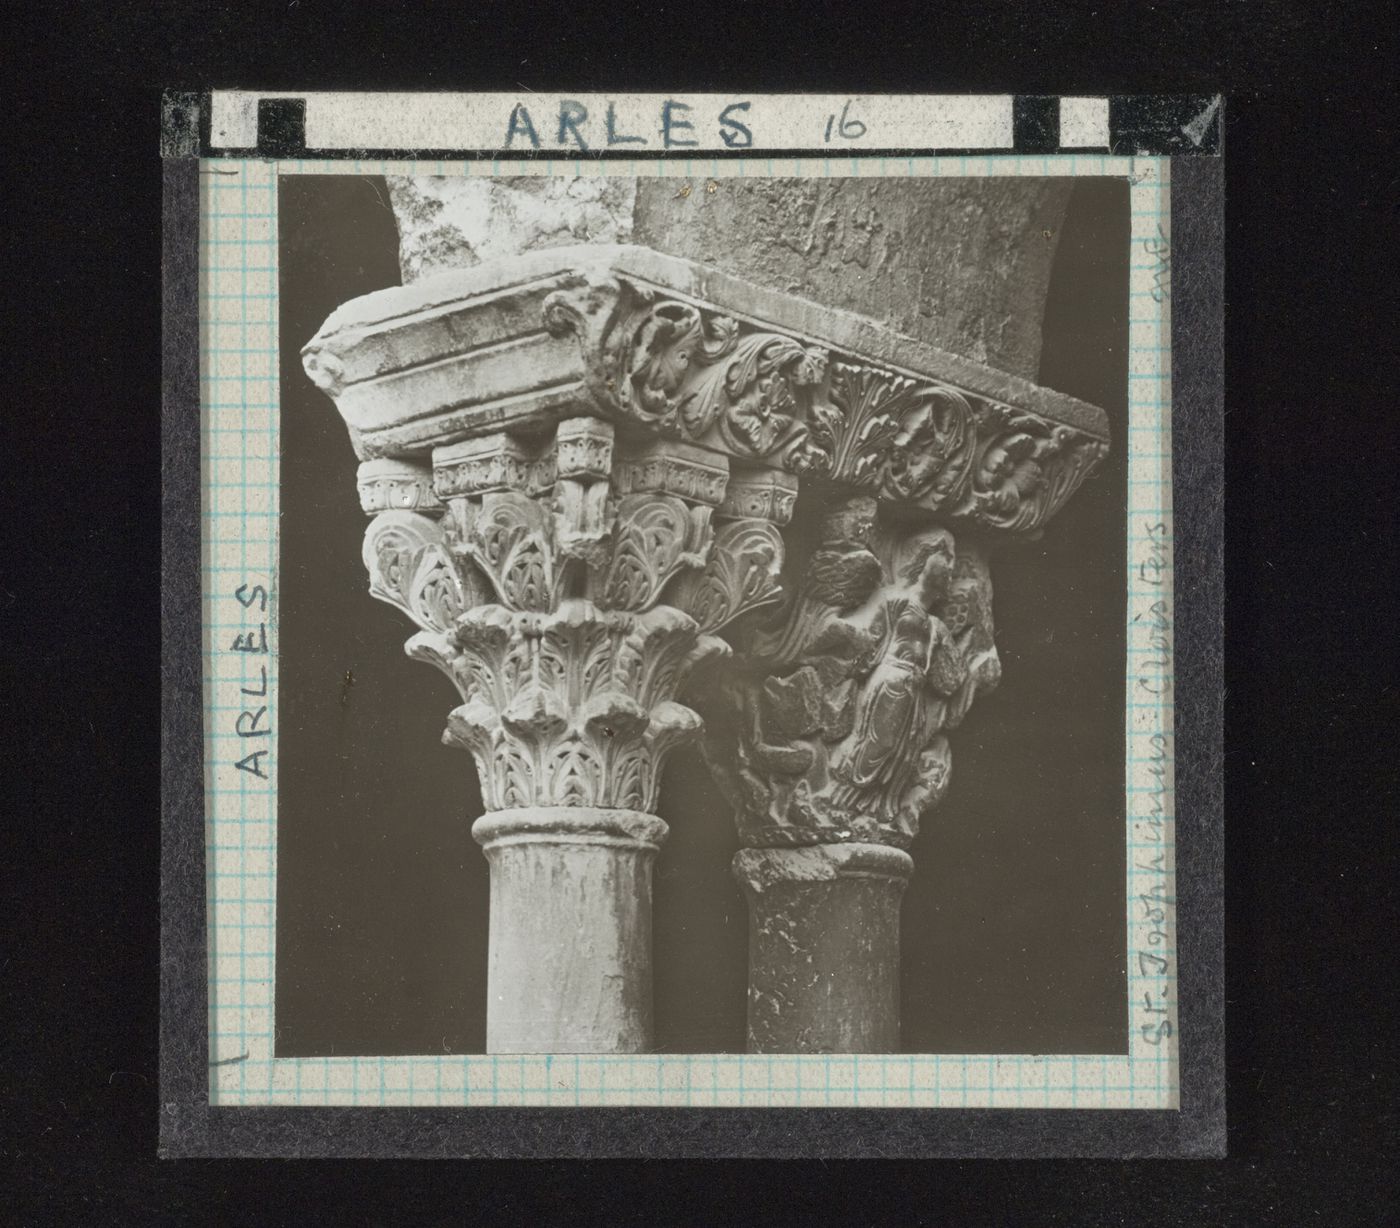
<point>573,126</point>
<point>252,725</point>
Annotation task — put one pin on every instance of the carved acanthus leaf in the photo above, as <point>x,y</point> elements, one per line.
<point>742,575</point>
<point>752,397</point>
<point>410,567</point>
<point>655,538</point>
<point>510,537</point>
<point>574,707</point>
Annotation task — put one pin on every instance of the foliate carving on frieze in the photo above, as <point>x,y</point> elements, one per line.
<point>929,445</point>
<point>1026,468</point>
<point>685,370</point>
<point>853,430</point>
<point>691,372</point>
<point>831,725</point>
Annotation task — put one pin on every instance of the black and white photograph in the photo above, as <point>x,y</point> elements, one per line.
<point>697,635</point>
<point>763,544</point>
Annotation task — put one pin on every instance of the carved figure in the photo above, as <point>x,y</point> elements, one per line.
<point>844,699</point>
<point>917,653</point>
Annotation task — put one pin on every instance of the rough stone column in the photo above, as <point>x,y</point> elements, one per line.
<point>824,946</point>
<point>587,463</point>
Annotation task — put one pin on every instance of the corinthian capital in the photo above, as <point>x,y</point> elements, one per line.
<point>567,584</point>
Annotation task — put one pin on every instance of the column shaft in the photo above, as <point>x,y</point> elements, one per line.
<point>823,947</point>
<point>569,969</point>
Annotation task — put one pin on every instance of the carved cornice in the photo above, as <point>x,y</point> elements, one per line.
<point>668,349</point>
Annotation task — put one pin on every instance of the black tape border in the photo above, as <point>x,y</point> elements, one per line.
<point>191,1127</point>
<point>1147,125</point>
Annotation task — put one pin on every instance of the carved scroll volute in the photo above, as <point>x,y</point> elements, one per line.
<point>408,560</point>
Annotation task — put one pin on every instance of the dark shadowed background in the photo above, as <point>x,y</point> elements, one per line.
<point>1014,920</point>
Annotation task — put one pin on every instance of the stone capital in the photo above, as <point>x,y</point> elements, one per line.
<point>567,583</point>
<point>585,463</point>
<point>831,726</point>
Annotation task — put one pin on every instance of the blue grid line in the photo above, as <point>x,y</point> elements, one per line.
<point>241,1005</point>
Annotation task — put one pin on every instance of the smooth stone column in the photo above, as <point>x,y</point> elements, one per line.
<point>569,969</point>
<point>823,947</point>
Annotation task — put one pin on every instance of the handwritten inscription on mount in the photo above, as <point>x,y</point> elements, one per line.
<point>252,725</point>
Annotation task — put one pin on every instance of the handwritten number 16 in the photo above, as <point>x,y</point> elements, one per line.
<point>851,129</point>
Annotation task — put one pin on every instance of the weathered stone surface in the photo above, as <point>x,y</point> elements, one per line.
<point>453,223</point>
<point>569,969</point>
<point>662,345</point>
<point>831,723</point>
<point>962,264</point>
<point>823,947</point>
